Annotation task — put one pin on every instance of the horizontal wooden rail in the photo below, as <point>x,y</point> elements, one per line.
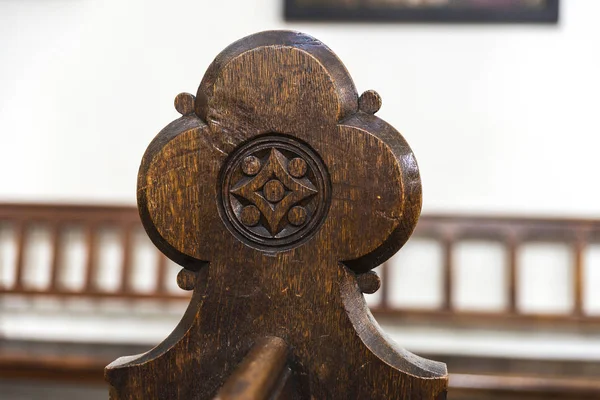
<point>98,294</point>
<point>484,386</point>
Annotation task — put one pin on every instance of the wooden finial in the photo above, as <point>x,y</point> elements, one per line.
<point>278,194</point>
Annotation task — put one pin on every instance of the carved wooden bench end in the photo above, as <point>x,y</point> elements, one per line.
<point>278,191</point>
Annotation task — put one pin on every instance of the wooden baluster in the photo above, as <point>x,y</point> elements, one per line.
<point>20,236</point>
<point>161,286</point>
<point>447,244</point>
<point>512,274</point>
<point>55,243</point>
<point>579,247</point>
<point>385,286</point>
<point>90,274</point>
<point>126,267</point>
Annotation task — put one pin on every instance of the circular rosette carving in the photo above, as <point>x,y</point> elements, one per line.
<point>275,192</point>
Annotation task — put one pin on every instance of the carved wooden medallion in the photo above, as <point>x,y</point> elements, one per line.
<point>278,191</point>
<point>275,193</point>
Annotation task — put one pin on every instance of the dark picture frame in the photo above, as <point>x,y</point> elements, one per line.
<point>295,11</point>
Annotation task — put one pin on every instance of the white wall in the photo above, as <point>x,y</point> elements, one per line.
<point>502,118</point>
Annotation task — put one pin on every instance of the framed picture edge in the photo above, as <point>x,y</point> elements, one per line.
<point>548,15</point>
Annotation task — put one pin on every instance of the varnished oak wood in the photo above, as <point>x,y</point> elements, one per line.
<point>275,193</point>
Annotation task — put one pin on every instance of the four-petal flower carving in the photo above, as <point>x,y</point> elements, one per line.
<point>274,170</point>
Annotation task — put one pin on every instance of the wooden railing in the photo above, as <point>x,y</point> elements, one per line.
<point>511,233</point>
<point>22,360</point>
<point>20,219</point>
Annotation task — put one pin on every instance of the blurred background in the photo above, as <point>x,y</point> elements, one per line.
<point>498,100</point>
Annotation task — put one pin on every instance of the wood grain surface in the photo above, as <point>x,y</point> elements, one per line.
<point>277,193</point>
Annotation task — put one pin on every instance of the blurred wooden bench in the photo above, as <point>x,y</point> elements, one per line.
<point>474,377</point>
<point>470,378</point>
<point>511,233</point>
<point>17,221</point>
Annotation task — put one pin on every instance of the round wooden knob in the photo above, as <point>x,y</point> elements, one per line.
<point>369,102</point>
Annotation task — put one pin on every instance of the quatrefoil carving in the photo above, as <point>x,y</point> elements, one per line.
<point>274,191</point>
